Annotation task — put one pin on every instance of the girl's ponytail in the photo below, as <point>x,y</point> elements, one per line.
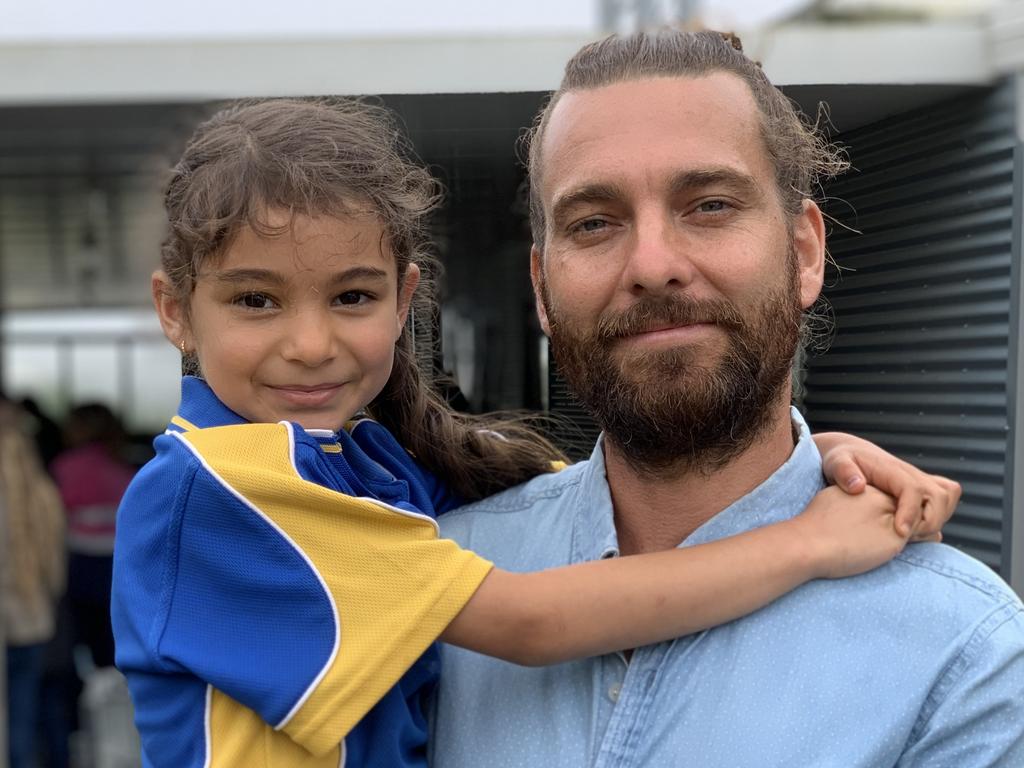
<point>476,455</point>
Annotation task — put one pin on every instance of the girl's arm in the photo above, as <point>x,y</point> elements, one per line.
<point>603,606</point>
<point>925,501</point>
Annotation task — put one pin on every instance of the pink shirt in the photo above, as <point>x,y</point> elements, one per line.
<point>91,483</point>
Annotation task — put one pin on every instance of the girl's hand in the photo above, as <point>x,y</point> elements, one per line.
<point>924,502</point>
<point>849,534</point>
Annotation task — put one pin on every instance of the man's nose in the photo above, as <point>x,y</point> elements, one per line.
<point>658,260</point>
<point>309,338</point>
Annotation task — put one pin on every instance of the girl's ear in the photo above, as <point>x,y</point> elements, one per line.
<point>171,311</point>
<point>410,280</point>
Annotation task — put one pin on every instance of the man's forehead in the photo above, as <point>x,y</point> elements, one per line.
<point>601,126</point>
<point>677,104</point>
<point>723,90</point>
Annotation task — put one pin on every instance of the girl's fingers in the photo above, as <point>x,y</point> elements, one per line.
<point>842,470</point>
<point>938,508</point>
<point>925,501</point>
<point>910,510</point>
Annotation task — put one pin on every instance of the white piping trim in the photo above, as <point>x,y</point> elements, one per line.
<point>344,755</point>
<point>207,726</point>
<point>330,598</point>
<point>397,510</point>
<point>291,445</point>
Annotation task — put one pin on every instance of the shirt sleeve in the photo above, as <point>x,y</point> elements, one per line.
<point>975,715</point>
<point>302,603</point>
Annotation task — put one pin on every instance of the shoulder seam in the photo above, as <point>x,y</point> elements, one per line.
<point>944,569</point>
<point>522,501</point>
<point>955,670</point>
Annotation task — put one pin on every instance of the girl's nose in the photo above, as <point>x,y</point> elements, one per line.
<point>310,340</point>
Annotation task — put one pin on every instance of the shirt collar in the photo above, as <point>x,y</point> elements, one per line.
<point>200,408</point>
<point>594,535</point>
<point>782,496</point>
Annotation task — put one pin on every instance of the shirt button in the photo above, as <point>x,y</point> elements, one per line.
<point>614,690</point>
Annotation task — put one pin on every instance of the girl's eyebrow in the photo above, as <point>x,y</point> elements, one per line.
<point>244,274</point>
<point>361,273</point>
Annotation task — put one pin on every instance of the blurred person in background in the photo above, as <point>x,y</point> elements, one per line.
<point>31,575</point>
<point>92,478</point>
<point>42,429</point>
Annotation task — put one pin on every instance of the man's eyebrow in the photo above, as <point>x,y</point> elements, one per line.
<point>588,193</point>
<point>702,178</point>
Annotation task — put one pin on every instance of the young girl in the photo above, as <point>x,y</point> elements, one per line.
<point>279,579</point>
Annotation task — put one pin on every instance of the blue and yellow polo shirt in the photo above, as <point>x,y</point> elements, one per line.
<point>277,593</point>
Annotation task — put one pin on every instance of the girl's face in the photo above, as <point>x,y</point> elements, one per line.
<point>300,327</point>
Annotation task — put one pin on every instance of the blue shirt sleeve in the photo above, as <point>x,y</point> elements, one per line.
<point>975,714</point>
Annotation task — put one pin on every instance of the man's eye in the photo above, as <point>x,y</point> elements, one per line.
<point>255,300</point>
<point>713,206</point>
<point>589,226</point>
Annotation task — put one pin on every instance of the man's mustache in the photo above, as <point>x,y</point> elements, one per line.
<point>668,311</point>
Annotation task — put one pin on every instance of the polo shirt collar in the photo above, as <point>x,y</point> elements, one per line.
<point>201,408</point>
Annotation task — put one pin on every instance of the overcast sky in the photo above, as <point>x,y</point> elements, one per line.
<point>27,20</point>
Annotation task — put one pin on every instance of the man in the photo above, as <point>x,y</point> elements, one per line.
<point>676,246</point>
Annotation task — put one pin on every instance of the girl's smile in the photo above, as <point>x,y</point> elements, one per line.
<point>306,397</point>
<point>300,326</point>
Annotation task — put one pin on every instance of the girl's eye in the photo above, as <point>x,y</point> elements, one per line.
<point>255,300</point>
<point>353,298</point>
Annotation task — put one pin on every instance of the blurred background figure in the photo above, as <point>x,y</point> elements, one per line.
<point>42,429</point>
<point>31,575</point>
<point>91,477</point>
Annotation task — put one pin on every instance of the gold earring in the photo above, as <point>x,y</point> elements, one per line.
<point>183,352</point>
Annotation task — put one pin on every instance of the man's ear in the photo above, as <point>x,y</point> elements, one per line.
<point>410,280</point>
<point>171,311</point>
<point>537,278</point>
<point>809,244</point>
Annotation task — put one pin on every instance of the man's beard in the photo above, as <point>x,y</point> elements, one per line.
<point>671,410</point>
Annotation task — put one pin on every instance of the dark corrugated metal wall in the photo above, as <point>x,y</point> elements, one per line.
<point>923,303</point>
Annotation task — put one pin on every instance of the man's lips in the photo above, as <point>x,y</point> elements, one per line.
<point>668,333</point>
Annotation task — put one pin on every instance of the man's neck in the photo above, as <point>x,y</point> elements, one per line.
<point>653,514</point>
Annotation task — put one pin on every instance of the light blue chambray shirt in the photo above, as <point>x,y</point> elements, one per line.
<point>918,663</point>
